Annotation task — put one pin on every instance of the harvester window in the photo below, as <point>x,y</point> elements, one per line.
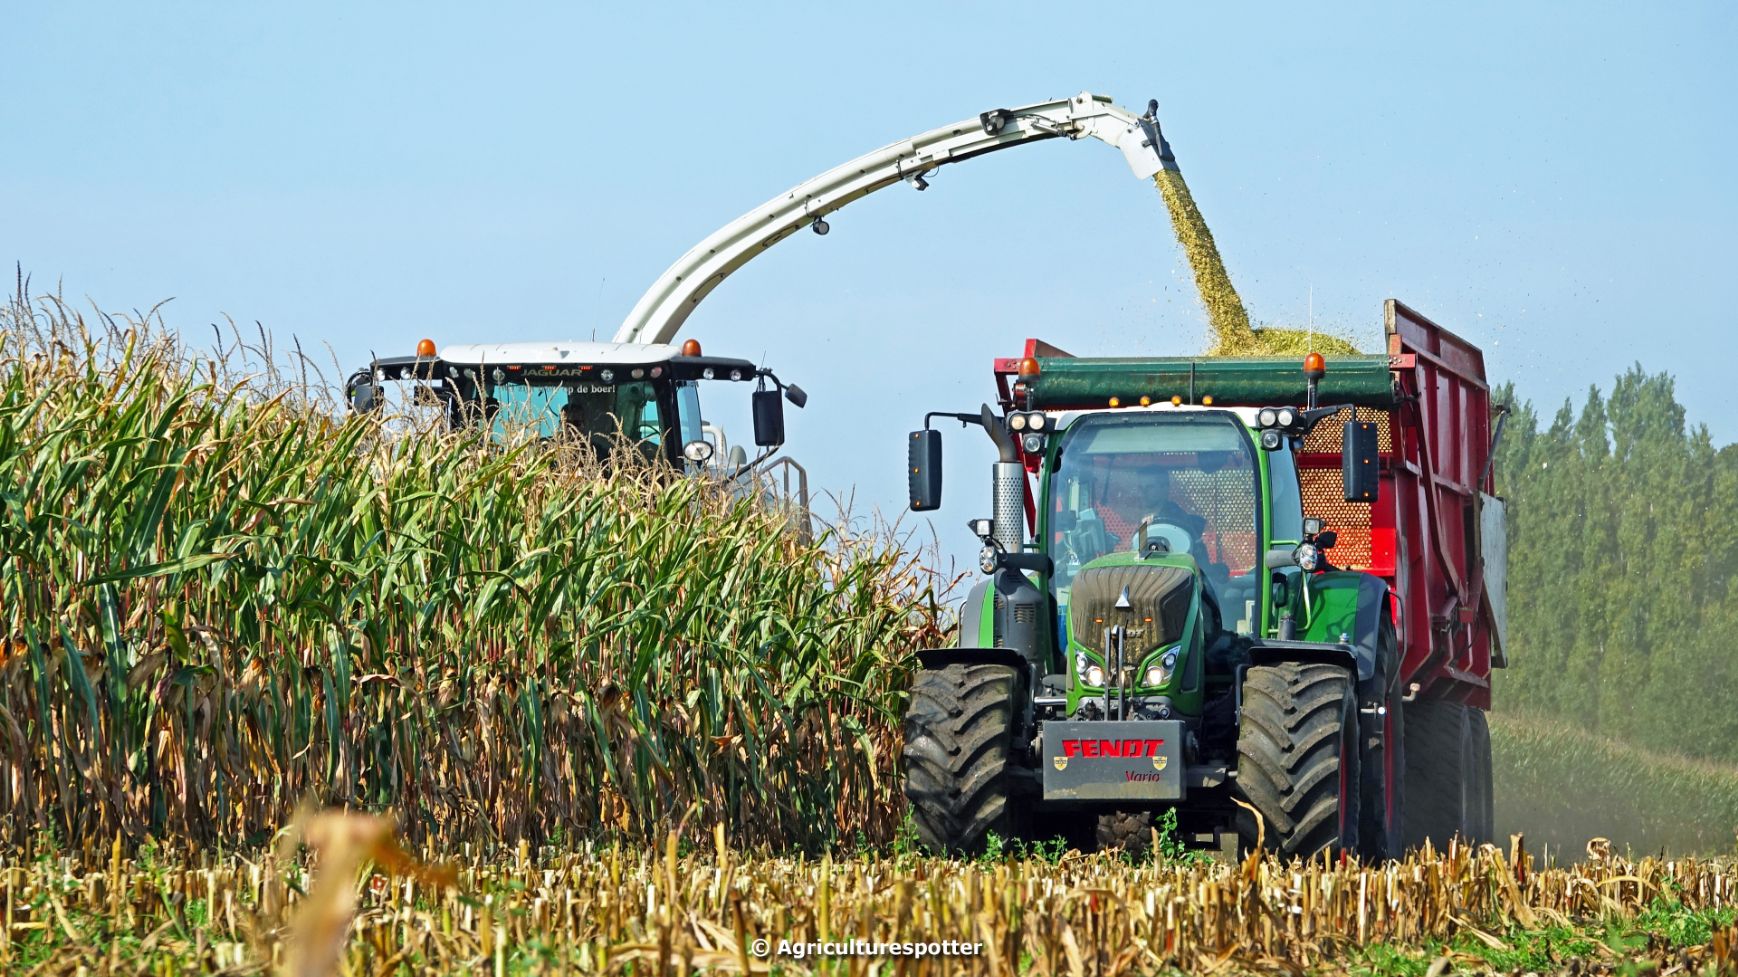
<point>592,411</point>
<point>688,411</point>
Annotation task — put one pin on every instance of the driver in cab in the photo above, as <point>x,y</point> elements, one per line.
<point>1127,502</point>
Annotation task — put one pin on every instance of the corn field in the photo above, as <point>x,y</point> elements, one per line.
<point>220,599</point>
<point>651,909</point>
<point>642,716</point>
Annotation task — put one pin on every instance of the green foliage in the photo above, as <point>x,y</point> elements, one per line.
<point>220,597</point>
<point>1171,847</point>
<point>1623,535</point>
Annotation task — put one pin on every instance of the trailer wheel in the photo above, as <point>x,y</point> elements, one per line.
<point>959,760</point>
<point>1126,831</point>
<point>1438,764</point>
<point>1298,759</point>
<point>1481,811</point>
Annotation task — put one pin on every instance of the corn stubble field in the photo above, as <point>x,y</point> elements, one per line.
<point>626,725</point>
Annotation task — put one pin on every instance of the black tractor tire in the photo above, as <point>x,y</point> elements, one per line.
<point>1298,755</point>
<point>1126,831</point>
<point>1438,773</point>
<point>1481,814</point>
<point>960,765</point>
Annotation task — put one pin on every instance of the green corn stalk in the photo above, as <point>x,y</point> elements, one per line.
<point>221,597</point>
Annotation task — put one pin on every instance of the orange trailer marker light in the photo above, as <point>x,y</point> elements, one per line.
<point>1207,400</point>
<point>1145,400</point>
<point>425,347</point>
<point>1116,401</point>
<point>1176,400</point>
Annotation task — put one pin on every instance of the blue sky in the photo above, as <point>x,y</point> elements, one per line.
<point>1550,180</point>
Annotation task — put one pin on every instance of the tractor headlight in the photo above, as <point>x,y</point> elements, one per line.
<point>1016,422</point>
<point>1160,672</point>
<point>1036,421</point>
<point>1307,556</point>
<point>1270,439</point>
<point>987,559</point>
<point>1033,443</point>
<point>1287,417</point>
<point>1094,676</point>
<point>1266,417</point>
<point>607,376</point>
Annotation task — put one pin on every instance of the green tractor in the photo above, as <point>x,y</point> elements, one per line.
<point>1171,634</point>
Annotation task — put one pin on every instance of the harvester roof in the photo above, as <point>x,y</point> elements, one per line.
<point>559,352</point>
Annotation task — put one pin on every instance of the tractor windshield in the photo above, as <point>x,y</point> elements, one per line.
<point>1191,476</point>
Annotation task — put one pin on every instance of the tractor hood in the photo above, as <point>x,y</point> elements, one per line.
<point>1153,598</point>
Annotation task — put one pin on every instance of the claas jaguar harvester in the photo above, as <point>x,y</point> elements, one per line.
<point>1263,593</point>
<point>641,385</point>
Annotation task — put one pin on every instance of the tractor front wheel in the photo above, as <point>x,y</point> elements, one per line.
<point>960,767</point>
<point>1298,756</point>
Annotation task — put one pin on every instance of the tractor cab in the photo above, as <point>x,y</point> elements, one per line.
<point>644,395</point>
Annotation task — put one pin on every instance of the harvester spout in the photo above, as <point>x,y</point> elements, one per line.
<point>1156,137</point>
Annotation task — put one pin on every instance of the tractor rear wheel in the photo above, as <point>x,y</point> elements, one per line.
<point>1298,757</point>
<point>960,767</point>
<point>1439,773</point>
<point>1126,831</point>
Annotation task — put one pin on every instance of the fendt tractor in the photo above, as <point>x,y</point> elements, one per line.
<point>1266,597</point>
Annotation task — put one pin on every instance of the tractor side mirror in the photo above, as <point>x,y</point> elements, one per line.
<point>924,465</point>
<point>364,394</point>
<point>1326,540</point>
<point>1358,461</point>
<point>769,419</point>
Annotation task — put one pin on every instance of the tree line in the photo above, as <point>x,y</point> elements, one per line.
<point>1623,541</point>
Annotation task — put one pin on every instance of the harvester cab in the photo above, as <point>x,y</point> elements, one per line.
<point>1162,618</point>
<point>645,396</point>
